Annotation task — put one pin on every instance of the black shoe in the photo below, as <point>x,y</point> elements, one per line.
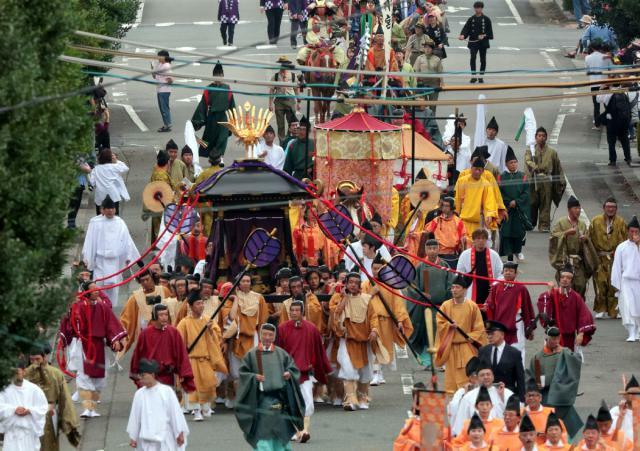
<point>611,163</point>
<point>480,80</point>
<point>473,80</point>
<point>628,161</point>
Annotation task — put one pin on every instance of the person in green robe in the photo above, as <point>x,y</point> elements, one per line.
<point>62,416</point>
<point>515,194</point>
<point>299,159</point>
<point>435,284</point>
<point>556,370</point>
<point>210,112</point>
<point>269,404</point>
<point>546,178</point>
<point>570,243</point>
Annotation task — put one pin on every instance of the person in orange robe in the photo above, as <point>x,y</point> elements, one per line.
<point>538,413</point>
<point>591,438</point>
<point>528,434</point>
<point>355,324</point>
<point>389,332</point>
<point>312,307</point>
<point>241,322</point>
<point>409,438</point>
<point>476,433</point>
<point>554,437</point>
<point>508,438</point>
<point>309,243</point>
<point>483,408</point>
<point>613,437</point>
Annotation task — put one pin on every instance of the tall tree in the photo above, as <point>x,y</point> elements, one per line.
<point>40,143</point>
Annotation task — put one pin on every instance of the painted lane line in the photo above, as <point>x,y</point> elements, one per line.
<point>514,11</point>
<point>165,24</point>
<point>407,383</point>
<point>401,353</point>
<point>502,24</point>
<point>205,22</point>
<point>134,116</point>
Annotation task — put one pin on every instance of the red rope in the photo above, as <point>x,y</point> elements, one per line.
<point>149,249</point>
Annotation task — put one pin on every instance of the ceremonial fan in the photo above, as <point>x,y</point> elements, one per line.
<point>156,196</point>
<point>424,196</point>
<point>260,249</point>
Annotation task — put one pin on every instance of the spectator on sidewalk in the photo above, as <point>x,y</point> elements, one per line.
<point>597,61</point>
<point>617,117</point>
<point>581,8</point>
<point>107,180</point>
<point>596,31</point>
<point>162,74</point>
<point>76,198</point>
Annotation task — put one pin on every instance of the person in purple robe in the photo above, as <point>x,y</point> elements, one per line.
<point>228,15</point>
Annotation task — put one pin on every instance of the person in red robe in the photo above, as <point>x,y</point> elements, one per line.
<point>565,308</point>
<point>301,339</point>
<point>92,322</point>
<point>510,304</point>
<point>160,341</point>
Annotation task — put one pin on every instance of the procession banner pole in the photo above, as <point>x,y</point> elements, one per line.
<point>413,144</point>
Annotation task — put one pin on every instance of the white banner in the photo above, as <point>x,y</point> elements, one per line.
<point>387,25</point>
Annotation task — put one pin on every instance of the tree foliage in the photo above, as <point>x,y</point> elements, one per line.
<point>39,146</point>
<point>621,15</point>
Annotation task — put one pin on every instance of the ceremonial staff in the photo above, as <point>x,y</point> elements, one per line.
<point>260,249</point>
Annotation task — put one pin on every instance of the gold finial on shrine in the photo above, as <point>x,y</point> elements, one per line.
<point>242,123</point>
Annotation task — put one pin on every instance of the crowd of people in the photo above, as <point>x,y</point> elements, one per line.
<point>324,330</point>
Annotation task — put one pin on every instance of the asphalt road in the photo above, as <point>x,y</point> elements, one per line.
<point>528,35</point>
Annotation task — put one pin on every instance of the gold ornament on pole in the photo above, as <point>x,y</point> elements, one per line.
<point>243,124</point>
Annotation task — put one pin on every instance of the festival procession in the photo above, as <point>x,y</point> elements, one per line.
<point>299,224</point>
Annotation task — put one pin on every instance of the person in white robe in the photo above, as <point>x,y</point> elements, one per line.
<point>269,151</point>
<point>156,421</point>
<point>108,247</point>
<point>625,276</point>
<point>107,178</point>
<point>463,160</point>
<point>467,406</point>
<point>465,266</point>
<point>497,148</point>
<point>23,410</point>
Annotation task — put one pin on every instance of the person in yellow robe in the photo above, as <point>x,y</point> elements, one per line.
<point>606,231</point>
<point>312,307</point>
<point>508,437</point>
<point>211,302</point>
<point>483,408</point>
<point>454,350</point>
<point>355,324</point>
<point>206,357</point>
<point>553,437</point>
<point>62,416</point>
<point>160,173</point>
<point>204,208</point>
<point>136,312</point>
<point>241,324</point>
<point>388,331</point>
<point>477,200</point>
<point>178,301</point>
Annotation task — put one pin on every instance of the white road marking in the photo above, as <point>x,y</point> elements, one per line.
<point>401,353</point>
<point>192,99</point>
<point>515,49</point>
<point>118,94</point>
<point>205,22</point>
<point>134,116</point>
<point>407,383</point>
<point>187,80</point>
<point>186,49</point>
<point>514,11</point>
<point>165,24</point>
<point>455,9</point>
<point>503,24</point>
<point>555,135</point>
<point>139,50</point>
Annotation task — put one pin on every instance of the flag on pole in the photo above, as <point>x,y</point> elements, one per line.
<point>387,25</point>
